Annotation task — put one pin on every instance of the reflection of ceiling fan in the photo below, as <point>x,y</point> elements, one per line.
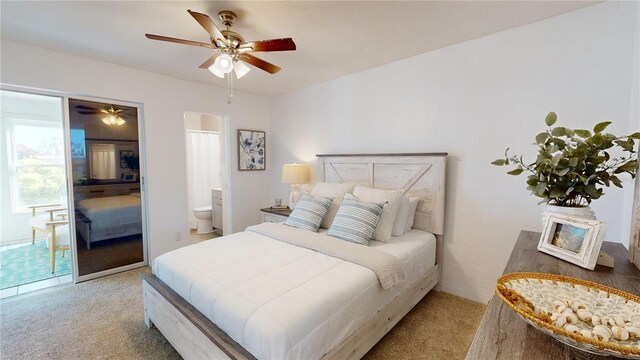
<point>115,116</point>
<point>231,47</point>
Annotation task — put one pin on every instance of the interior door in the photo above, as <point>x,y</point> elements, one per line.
<point>108,197</point>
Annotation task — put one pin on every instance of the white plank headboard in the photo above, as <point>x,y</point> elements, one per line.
<point>421,175</point>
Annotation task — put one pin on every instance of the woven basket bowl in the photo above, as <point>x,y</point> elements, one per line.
<point>540,290</point>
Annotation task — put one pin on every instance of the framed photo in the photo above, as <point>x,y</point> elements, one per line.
<point>252,152</point>
<point>575,240</point>
<point>123,155</point>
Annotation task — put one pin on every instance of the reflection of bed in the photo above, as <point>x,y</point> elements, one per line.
<point>250,295</point>
<point>109,217</point>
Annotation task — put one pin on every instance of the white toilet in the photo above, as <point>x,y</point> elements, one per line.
<point>205,224</point>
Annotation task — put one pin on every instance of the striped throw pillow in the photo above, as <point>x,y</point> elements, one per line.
<point>309,212</point>
<point>356,220</point>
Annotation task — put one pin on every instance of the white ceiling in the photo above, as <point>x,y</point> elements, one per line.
<point>333,38</point>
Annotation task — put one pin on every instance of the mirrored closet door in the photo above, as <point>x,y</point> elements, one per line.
<point>107,191</point>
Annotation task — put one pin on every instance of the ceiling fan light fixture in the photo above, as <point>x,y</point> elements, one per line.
<point>214,70</point>
<point>241,69</point>
<point>224,63</point>
<point>113,120</point>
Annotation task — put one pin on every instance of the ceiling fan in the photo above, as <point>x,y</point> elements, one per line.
<point>115,115</point>
<point>231,48</point>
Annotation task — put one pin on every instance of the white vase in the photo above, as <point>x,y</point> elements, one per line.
<point>584,212</point>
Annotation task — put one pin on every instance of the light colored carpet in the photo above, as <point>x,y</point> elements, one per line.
<point>440,326</point>
<point>103,318</point>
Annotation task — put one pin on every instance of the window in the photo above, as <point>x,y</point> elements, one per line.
<point>32,161</point>
<point>36,163</point>
<point>103,161</point>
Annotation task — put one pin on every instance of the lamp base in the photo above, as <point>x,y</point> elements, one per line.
<point>294,196</point>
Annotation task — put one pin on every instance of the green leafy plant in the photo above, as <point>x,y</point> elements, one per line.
<point>573,166</point>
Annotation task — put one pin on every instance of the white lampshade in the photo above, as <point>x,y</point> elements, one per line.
<point>113,120</point>
<point>224,63</point>
<point>241,69</point>
<point>295,174</point>
<point>216,72</point>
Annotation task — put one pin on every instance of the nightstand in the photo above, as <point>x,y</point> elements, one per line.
<point>275,215</point>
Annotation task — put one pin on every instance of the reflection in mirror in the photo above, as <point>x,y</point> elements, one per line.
<point>107,199</point>
<point>103,161</point>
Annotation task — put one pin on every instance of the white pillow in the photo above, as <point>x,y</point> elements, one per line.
<point>356,220</point>
<point>400,225</point>
<point>413,206</point>
<point>389,213</point>
<point>309,212</point>
<point>336,191</point>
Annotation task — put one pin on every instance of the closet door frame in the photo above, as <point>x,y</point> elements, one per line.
<point>143,185</point>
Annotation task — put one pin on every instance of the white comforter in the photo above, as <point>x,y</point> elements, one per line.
<point>111,211</point>
<point>281,301</point>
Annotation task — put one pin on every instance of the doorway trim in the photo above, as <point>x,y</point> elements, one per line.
<point>227,191</point>
<point>143,186</point>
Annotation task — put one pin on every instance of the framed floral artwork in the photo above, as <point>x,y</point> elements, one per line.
<point>252,151</point>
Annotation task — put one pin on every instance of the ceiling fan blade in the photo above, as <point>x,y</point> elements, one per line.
<point>86,112</point>
<point>271,45</point>
<point>208,24</point>
<point>179,41</point>
<point>259,63</point>
<point>209,62</point>
<point>86,107</point>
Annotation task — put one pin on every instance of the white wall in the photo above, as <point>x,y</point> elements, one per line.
<point>473,100</point>
<point>165,101</point>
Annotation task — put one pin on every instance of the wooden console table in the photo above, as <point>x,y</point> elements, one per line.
<point>503,335</point>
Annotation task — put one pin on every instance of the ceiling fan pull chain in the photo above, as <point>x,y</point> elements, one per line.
<point>229,87</point>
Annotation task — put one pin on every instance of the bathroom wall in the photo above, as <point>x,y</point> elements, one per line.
<point>214,123</point>
<point>197,121</point>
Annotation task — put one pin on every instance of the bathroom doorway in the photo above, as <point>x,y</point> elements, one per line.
<point>205,138</point>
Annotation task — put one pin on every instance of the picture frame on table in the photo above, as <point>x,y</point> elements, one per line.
<point>252,150</point>
<point>129,177</point>
<point>574,240</point>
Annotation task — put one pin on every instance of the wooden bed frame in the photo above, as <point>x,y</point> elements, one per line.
<point>422,175</point>
<point>90,235</point>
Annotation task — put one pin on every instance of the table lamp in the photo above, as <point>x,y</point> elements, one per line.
<point>295,174</point>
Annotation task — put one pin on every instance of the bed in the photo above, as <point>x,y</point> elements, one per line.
<point>249,295</point>
<point>104,218</point>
